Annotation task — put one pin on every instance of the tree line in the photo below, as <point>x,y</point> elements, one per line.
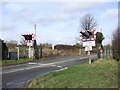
<point>116,45</point>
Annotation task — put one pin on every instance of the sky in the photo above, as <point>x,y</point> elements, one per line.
<point>56,22</point>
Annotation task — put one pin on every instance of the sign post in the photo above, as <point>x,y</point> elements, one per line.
<point>89,58</point>
<point>101,53</point>
<point>29,51</point>
<point>88,38</point>
<point>29,39</point>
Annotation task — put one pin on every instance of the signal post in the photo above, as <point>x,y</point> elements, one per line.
<point>88,38</point>
<point>29,39</point>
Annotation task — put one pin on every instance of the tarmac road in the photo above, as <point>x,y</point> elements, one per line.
<point>18,75</point>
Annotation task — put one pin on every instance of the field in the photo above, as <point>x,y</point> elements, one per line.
<point>100,74</point>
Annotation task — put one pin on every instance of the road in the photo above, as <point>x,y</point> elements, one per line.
<point>18,75</point>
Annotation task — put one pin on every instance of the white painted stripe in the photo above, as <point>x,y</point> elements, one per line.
<point>62,69</point>
<point>59,66</point>
<point>53,65</point>
<point>41,65</point>
<point>21,69</point>
<point>32,63</point>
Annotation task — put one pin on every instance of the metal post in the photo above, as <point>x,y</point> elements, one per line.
<point>41,52</point>
<point>101,54</point>
<point>33,53</point>
<point>18,53</point>
<point>24,51</point>
<point>105,52</point>
<point>79,51</point>
<point>108,52</point>
<point>89,57</point>
<point>29,51</point>
<point>53,46</point>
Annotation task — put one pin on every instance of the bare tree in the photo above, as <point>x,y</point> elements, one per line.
<point>116,44</point>
<point>88,22</point>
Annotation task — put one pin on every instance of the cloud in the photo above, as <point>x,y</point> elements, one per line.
<point>34,14</point>
<point>111,13</point>
<point>77,6</point>
<point>59,17</point>
<point>23,15</point>
<point>13,6</point>
<point>37,14</point>
<point>7,27</point>
<point>60,1</point>
<point>62,40</point>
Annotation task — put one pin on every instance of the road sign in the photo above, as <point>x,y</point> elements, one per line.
<point>89,48</point>
<point>101,50</point>
<point>88,43</point>
<point>30,44</point>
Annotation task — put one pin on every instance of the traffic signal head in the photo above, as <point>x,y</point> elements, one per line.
<point>27,37</point>
<point>90,33</point>
<point>87,35</point>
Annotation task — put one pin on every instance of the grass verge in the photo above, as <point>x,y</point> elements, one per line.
<point>100,74</point>
<point>20,61</point>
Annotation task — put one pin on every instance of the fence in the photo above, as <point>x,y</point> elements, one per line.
<point>23,52</point>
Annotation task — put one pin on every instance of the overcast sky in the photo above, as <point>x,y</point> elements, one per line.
<point>56,22</point>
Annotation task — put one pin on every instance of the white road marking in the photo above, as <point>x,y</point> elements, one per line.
<point>62,69</point>
<point>32,63</point>
<point>53,65</point>
<point>21,69</point>
<point>59,66</point>
<point>41,65</point>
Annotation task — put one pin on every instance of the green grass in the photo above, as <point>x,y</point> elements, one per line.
<point>99,74</point>
<point>20,61</point>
